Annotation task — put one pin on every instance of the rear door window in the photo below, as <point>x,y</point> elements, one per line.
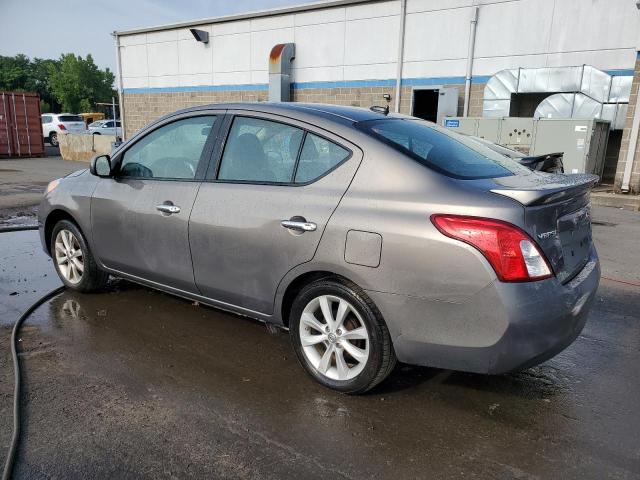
<point>70,118</point>
<point>260,151</point>
<point>442,150</point>
<point>318,156</point>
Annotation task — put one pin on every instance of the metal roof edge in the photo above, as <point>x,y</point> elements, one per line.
<point>305,7</point>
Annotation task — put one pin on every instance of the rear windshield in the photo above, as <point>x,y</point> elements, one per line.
<point>442,150</point>
<point>70,118</point>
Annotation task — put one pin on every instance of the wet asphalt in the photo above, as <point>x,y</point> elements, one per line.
<point>132,383</point>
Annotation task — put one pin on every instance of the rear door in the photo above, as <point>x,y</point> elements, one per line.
<point>140,218</point>
<point>263,209</point>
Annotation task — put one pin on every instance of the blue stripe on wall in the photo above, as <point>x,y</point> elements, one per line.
<point>336,84</point>
<point>621,72</point>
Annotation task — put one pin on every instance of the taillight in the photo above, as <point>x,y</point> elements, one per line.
<point>514,256</point>
<point>61,126</point>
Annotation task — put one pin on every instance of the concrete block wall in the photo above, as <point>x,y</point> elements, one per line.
<point>82,147</point>
<point>142,108</point>
<point>626,134</point>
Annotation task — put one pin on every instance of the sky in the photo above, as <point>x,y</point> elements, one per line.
<point>49,29</point>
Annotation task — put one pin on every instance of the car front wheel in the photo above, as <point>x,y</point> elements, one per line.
<point>73,260</point>
<point>340,337</point>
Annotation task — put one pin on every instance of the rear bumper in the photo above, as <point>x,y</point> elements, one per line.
<point>504,327</point>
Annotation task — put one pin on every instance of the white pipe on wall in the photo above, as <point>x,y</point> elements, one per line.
<point>120,87</point>
<point>472,44</point>
<point>403,16</point>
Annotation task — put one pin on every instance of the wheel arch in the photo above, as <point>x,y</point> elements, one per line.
<point>297,284</point>
<point>52,219</point>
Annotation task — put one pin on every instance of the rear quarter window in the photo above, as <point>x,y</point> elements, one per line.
<point>442,150</point>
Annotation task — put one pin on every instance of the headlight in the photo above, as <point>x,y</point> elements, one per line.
<point>52,185</point>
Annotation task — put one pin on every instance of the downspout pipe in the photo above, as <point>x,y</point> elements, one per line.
<point>403,16</point>
<point>469,73</point>
<point>633,143</point>
<point>120,88</point>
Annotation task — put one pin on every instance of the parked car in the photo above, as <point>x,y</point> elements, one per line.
<point>55,123</point>
<point>372,238</point>
<point>549,162</point>
<point>106,127</point>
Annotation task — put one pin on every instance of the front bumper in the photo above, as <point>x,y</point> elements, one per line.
<point>504,327</point>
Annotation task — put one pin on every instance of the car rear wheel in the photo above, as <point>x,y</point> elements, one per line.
<point>73,260</point>
<point>53,139</point>
<point>340,337</point>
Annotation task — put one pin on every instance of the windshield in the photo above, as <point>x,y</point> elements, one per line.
<point>442,150</point>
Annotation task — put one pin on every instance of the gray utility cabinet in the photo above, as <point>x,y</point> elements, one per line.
<point>583,142</point>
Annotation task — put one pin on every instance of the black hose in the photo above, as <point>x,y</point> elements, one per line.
<point>17,228</point>
<point>8,466</point>
<point>13,447</point>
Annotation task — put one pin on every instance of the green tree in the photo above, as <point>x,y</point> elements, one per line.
<point>14,72</point>
<point>77,83</point>
<point>23,75</point>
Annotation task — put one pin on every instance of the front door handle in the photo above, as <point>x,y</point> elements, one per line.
<point>168,208</point>
<point>299,225</point>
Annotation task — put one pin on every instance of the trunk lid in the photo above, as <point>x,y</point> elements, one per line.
<point>73,123</point>
<point>557,215</point>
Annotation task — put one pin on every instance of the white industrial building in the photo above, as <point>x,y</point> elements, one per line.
<point>433,58</point>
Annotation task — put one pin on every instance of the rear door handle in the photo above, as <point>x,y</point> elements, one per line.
<point>299,226</point>
<point>168,209</point>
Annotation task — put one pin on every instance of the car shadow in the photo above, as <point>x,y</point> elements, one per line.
<point>539,382</point>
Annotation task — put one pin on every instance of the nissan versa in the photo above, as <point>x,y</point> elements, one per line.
<point>371,237</point>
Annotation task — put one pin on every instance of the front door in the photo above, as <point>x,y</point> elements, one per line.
<point>140,218</point>
<point>264,212</point>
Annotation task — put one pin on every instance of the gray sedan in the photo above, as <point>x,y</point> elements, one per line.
<point>373,238</point>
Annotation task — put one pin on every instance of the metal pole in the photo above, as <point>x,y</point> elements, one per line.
<point>120,88</point>
<point>115,121</point>
<point>472,44</point>
<point>403,16</point>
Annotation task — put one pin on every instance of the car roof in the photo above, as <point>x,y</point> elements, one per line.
<point>337,113</point>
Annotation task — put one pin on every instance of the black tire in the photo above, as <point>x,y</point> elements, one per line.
<point>382,358</point>
<point>93,278</point>
<point>53,139</point>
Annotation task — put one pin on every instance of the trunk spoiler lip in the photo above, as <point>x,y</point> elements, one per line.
<point>555,192</point>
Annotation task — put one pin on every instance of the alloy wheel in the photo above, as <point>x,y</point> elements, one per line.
<point>69,256</point>
<point>334,338</point>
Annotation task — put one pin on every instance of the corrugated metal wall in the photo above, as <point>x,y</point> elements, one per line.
<point>20,125</point>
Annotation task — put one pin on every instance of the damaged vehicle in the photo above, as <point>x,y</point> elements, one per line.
<point>372,238</point>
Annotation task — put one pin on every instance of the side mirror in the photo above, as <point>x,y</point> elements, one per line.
<point>101,166</point>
